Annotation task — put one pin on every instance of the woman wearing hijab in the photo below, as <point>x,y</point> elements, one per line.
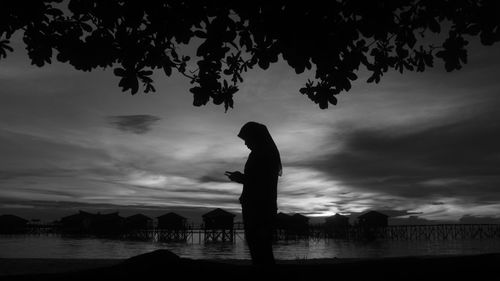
<point>258,199</point>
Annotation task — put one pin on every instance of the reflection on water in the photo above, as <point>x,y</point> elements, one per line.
<point>60,247</point>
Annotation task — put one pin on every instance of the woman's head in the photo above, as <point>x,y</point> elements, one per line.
<point>258,139</point>
<point>254,135</point>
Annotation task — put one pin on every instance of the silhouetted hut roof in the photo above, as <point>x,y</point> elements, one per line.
<point>373,215</point>
<point>171,216</point>
<point>300,217</point>
<point>217,213</point>
<point>80,214</point>
<point>337,217</point>
<point>110,215</point>
<point>83,215</point>
<point>10,219</point>
<point>138,221</point>
<point>171,221</point>
<point>283,220</point>
<point>139,217</point>
<point>283,216</point>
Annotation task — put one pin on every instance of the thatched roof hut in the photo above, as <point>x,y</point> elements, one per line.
<point>218,219</point>
<point>337,221</point>
<point>78,223</point>
<point>108,223</point>
<point>283,221</point>
<point>295,223</point>
<point>12,224</point>
<point>300,219</point>
<point>171,221</point>
<point>88,223</point>
<point>138,221</point>
<point>373,219</point>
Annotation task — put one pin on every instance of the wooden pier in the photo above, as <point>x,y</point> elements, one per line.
<point>192,233</point>
<point>441,232</point>
<point>421,232</point>
<point>160,235</point>
<point>198,233</point>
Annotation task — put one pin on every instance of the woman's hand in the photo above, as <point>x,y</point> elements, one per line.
<point>235,176</point>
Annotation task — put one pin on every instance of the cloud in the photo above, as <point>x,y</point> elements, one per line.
<point>437,203</point>
<point>67,169</point>
<point>458,156</point>
<point>212,178</point>
<point>137,124</point>
<point>27,173</point>
<point>398,213</point>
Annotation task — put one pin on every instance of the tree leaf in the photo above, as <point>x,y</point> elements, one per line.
<point>119,72</point>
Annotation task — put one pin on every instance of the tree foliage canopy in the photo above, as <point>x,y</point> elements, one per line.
<point>336,39</point>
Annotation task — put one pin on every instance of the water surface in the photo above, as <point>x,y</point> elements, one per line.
<point>26,246</point>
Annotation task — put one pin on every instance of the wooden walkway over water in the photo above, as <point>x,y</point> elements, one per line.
<point>418,232</point>
<point>198,234</point>
<point>192,233</point>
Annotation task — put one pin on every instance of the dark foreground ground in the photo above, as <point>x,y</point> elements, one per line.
<point>165,265</point>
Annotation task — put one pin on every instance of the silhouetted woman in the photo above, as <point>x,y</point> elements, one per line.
<point>258,199</point>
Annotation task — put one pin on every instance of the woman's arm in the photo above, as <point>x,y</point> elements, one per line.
<point>236,176</point>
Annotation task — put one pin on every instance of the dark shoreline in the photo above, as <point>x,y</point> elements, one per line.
<point>166,265</point>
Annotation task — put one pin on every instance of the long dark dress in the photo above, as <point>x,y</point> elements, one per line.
<point>259,206</point>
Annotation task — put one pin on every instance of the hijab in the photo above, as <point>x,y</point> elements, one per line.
<point>264,144</point>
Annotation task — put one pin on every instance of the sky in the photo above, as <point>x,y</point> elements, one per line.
<point>419,146</point>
